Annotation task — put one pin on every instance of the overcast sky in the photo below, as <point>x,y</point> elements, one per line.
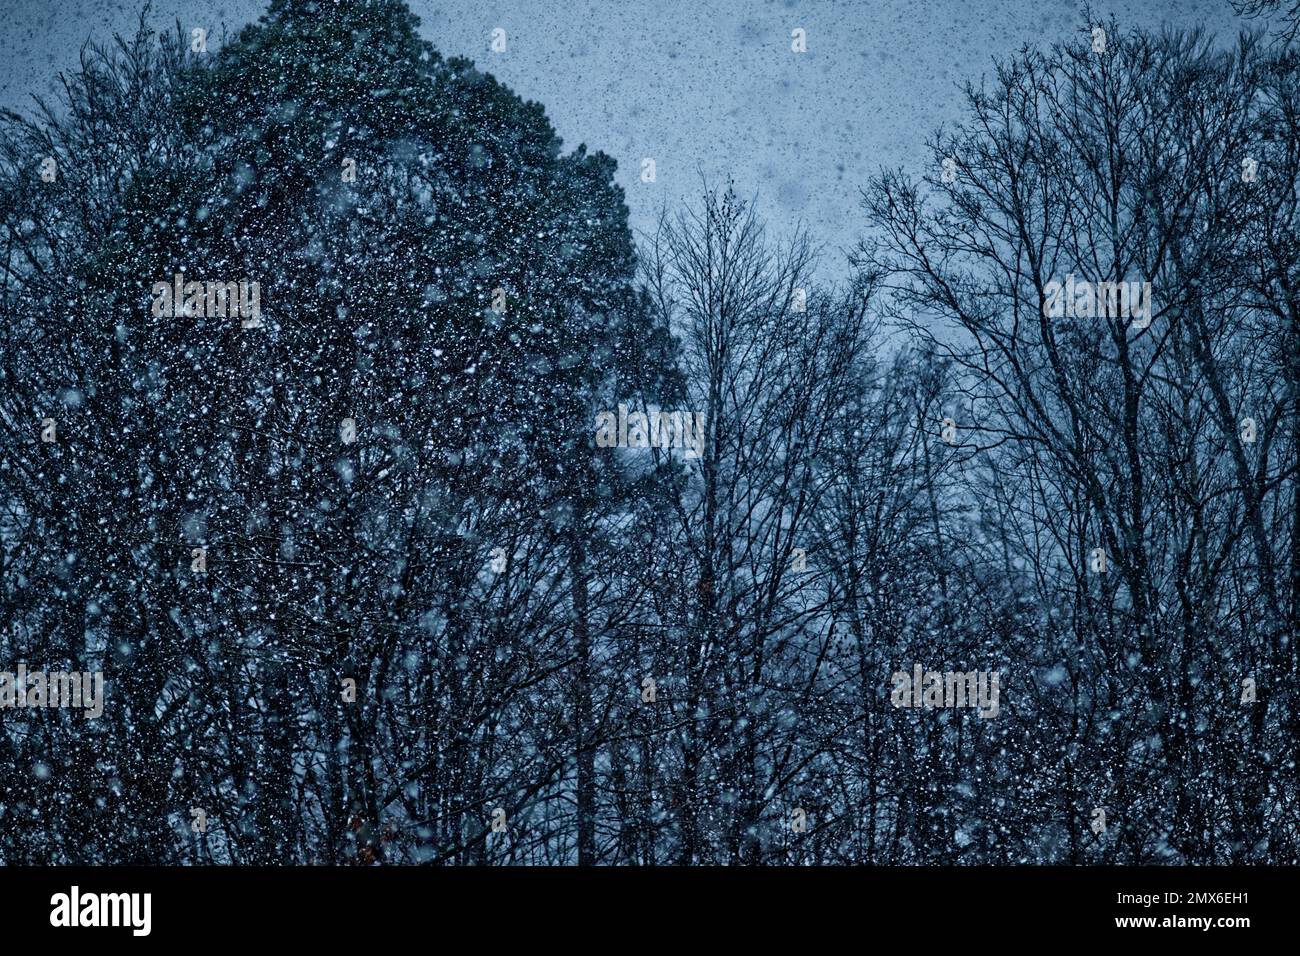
<point>697,85</point>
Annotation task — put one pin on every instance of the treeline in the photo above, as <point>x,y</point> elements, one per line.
<point>365,588</point>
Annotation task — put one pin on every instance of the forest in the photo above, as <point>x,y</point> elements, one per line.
<point>507,536</point>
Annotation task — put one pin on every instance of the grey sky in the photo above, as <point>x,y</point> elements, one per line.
<point>698,85</point>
